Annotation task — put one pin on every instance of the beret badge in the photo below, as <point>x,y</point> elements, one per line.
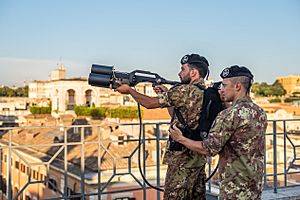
<point>225,72</point>
<point>185,59</point>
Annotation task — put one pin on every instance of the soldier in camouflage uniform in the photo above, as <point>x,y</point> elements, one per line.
<point>185,178</point>
<point>238,136</point>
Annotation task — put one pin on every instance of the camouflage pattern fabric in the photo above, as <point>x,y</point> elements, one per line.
<point>188,99</point>
<point>184,183</point>
<point>238,135</point>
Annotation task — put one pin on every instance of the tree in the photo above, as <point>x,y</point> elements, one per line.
<point>266,90</point>
<point>9,92</point>
<point>278,90</point>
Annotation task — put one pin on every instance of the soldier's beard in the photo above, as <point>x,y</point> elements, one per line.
<point>185,80</point>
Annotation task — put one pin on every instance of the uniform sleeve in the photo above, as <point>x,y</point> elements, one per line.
<point>179,96</point>
<point>220,133</point>
<point>164,100</point>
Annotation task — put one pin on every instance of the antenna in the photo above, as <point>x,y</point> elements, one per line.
<point>60,65</point>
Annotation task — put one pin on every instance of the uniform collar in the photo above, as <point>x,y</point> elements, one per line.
<point>242,99</point>
<point>198,81</point>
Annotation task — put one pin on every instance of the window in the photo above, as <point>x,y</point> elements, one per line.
<point>35,174</point>
<point>27,171</point>
<point>3,185</point>
<point>23,168</point>
<point>45,179</point>
<point>70,191</point>
<point>52,184</point>
<point>146,154</point>
<point>17,164</point>
<point>41,177</point>
<point>120,140</point>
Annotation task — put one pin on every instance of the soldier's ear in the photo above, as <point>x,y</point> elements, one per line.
<point>238,86</point>
<point>194,72</point>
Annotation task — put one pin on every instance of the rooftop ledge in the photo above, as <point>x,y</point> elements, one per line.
<point>282,193</point>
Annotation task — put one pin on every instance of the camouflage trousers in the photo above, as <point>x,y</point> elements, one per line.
<point>247,190</point>
<point>184,183</point>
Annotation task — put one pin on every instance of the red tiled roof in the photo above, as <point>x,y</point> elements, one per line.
<point>109,150</point>
<point>156,114</point>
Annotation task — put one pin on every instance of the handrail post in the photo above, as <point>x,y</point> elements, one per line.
<point>275,156</point>
<point>265,164</point>
<point>99,163</point>
<point>82,164</point>
<point>9,188</point>
<point>284,151</point>
<point>65,163</point>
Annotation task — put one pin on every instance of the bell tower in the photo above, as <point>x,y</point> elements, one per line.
<point>59,73</point>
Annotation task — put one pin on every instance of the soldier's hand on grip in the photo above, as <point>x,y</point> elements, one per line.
<point>160,89</point>
<point>175,133</point>
<point>123,88</point>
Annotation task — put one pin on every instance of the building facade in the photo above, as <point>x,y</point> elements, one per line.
<point>290,83</point>
<point>65,93</point>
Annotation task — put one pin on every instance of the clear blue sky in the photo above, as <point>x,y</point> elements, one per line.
<point>150,35</point>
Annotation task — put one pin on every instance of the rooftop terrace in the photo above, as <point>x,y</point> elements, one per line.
<point>102,161</point>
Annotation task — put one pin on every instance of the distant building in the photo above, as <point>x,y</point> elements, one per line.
<point>290,83</point>
<point>44,164</point>
<point>17,106</point>
<point>59,73</point>
<point>64,93</point>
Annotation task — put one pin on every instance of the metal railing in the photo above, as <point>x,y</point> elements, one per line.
<point>66,158</point>
<point>281,163</point>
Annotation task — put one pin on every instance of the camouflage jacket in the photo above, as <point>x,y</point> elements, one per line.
<point>238,135</point>
<point>188,99</point>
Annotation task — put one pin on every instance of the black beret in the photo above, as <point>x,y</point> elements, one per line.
<point>235,71</point>
<point>194,59</point>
